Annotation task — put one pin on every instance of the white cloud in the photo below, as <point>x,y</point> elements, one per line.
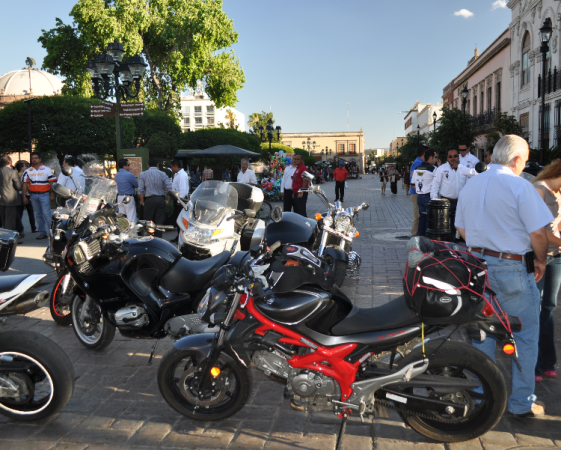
<point>499,4</point>
<point>464,13</point>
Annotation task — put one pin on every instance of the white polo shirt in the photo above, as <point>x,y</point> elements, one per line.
<point>247,177</point>
<point>470,160</point>
<point>499,210</point>
<point>287,178</point>
<point>449,182</point>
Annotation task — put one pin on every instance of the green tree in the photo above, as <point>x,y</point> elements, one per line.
<point>309,160</point>
<point>275,147</point>
<point>451,132</point>
<point>156,121</point>
<point>503,125</point>
<point>210,137</point>
<point>181,40</point>
<point>61,125</point>
<point>257,120</point>
<point>162,146</point>
<point>407,153</point>
<point>230,122</point>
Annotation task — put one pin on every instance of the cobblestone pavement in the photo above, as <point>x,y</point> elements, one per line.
<point>116,402</point>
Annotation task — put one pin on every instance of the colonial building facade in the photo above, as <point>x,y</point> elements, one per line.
<point>198,112</point>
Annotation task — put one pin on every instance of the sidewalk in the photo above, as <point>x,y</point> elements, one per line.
<point>117,404</point>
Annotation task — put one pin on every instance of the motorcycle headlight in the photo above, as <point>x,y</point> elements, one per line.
<point>328,220</point>
<point>203,306</point>
<point>351,232</point>
<point>201,235</point>
<point>343,222</point>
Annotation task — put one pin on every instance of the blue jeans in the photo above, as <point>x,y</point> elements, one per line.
<point>549,288</point>
<point>423,205</point>
<point>518,295</point>
<point>42,208</point>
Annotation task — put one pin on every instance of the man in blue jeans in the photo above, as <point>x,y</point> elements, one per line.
<point>413,195</point>
<point>502,218</point>
<point>38,179</point>
<point>421,181</point>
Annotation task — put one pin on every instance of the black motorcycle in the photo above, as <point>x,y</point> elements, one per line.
<point>36,376</point>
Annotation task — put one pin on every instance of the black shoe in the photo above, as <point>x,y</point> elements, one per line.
<point>35,231</point>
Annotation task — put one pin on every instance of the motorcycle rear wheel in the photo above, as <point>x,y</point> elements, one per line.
<point>96,334</point>
<point>176,374</point>
<point>49,381</point>
<point>61,314</point>
<point>485,410</point>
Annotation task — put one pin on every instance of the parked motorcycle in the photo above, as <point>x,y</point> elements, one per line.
<point>36,376</point>
<point>321,347</point>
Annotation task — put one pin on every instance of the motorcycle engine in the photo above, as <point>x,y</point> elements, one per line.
<point>131,317</point>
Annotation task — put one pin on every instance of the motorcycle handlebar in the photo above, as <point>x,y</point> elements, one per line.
<point>165,227</point>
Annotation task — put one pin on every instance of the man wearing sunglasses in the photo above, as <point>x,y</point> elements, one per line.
<point>467,158</point>
<point>449,179</point>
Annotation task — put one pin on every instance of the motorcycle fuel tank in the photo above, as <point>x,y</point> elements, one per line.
<point>293,307</point>
<point>292,229</point>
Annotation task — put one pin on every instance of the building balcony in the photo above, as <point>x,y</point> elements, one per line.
<point>484,121</point>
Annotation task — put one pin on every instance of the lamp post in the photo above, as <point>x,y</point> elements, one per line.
<point>465,94</point>
<point>434,116</point>
<point>270,132</point>
<point>125,74</point>
<point>545,36</point>
<point>28,101</point>
<point>418,136</point>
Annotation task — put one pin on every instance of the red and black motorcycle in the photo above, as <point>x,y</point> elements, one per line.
<point>326,351</point>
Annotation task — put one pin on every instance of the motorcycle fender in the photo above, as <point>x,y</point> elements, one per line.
<point>201,345</point>
<point>337,253</point>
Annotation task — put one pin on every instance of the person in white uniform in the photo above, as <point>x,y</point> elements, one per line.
<point>246,175</point>
<point>467,158</point>
<point>286,187</point>
<point>180,184</point>
<point>502,218</point>
<point>78,179</point>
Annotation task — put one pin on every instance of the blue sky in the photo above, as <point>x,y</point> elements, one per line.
<point>305,59</point>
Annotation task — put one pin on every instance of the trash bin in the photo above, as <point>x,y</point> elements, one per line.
<point>439,220</point>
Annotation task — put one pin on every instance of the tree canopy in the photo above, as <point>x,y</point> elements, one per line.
<point>503,125</point>
<point>209,137</point>
<point>181,40</point>
<point>156,121</point>
<point>451,131</point>
<point>257,120</point>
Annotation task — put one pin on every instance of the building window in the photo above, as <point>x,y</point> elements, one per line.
<point>210,109</point>
<point>210,120</point>
<point>525,124</point>
<point>352,148</point>
<point>341,149</point>
<point>498,96</point>
<point>468,106</point>
<point>186,110</point>
<point>526,59</point>
<point>475,105</point>
<point>408,123</point>
<point>186,121</point>
<point>482,102</point>
<point>198,120</point>
<point>547,123</point>
<point>489,98</point>
<point>198,110</point>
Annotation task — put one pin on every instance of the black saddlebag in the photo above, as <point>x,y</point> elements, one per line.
<point>443,282</point>
<point>8,245</point>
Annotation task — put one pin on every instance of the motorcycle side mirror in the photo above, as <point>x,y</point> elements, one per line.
<point>62,191</point>
<point>480,167</point>
<point>276,214</point>
<point>126,200</point>
<point>173,194</point>
<point>365,206</point>
<point>249,213</point>
<point>67,171</point>
<point>307,176</point>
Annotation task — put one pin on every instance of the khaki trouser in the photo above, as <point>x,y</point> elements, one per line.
<point>415,226</point>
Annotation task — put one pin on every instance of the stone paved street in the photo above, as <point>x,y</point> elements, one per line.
<point>116,402</point>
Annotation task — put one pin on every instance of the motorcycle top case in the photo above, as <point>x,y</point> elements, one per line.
<point>443,282</point>
<point>8,245</point>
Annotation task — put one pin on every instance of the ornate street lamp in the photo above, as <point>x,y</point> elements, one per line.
<point>465,94</point>
<point>545,36</point>
<point>434,116</point>
<point>103,67</point>
<point>270,132</point>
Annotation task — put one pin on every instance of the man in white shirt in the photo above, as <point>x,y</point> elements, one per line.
<point>422,179</point>
<point>286,188</point>
<point>467,158</point>
<point>77,181</point>
<point>180,184</point>
<point>449,179</point>
<point>246,175</point>
<point>502,218</point>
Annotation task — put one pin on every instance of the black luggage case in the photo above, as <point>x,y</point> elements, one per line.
<point>8,244</point>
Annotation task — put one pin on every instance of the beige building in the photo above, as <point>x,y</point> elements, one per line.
<point>395,144</point>
<point>348,145</point>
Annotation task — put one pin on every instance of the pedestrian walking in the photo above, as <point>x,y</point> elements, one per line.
<point>196,177</point>
<point>246,175</point>
<point>394,178</point>
<point>449,179</point>
<point>422,179</point>
<point>152,187</point>
<point>75,182</point>
<point>412,193</point>
<point>300,198</point>
<point>126,184</point>
<point>287,194</point>
<point>407,180</point>
<point>37,180</point>
<point>340,174</point>
<point>180,184</point>
<point>467,159</point>
<point>21,166</point>
<point>383,180</point>
<point>502,219</point>
<point>548,185</point>
<point>10,198</point>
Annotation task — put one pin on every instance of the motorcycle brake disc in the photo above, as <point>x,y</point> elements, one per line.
<point>90,326</point>
<point>26,389</point>
<point>185,383</point>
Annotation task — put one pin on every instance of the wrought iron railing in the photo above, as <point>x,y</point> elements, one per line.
<point>485,120</point>
<point>552,82</point>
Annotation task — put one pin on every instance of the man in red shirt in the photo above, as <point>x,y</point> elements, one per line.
<point>340,175</point>
<point>300,198</point>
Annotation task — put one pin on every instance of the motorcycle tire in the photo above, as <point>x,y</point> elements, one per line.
<point>61,314</point>
<point>177,364</point>
<point>339,271</point>
<point>104,329</point>
<point>452,359</point>
<point>55,368</point>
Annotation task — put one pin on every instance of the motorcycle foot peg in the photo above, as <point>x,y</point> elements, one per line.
<point>152,352</point>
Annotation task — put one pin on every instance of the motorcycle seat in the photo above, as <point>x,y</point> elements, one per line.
<point>10,282</point>
<point>187,276</point>
<point>394,314</point>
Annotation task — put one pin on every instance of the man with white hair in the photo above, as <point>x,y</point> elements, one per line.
<point>502,218</point>
<point>246,175</point>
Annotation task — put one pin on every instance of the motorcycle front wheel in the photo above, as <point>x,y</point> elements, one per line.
<point>38,370</point>
<point>94,331</point>
<point>485,409</point>
<point>59,305</point>
<point>178,374</point>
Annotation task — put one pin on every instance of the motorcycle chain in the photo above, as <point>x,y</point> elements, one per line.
<point>411,412</point>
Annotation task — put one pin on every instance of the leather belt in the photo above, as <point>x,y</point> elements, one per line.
<point>484,252</point>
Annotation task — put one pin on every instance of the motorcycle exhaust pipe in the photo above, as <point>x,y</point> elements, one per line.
<point>30,301</point>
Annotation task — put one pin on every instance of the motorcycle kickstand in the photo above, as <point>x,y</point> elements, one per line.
<point>339,445</point>
<point>153,352</point>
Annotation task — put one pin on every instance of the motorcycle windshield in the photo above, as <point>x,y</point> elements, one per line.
<point>98,190</point>
<point>211,201</point>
